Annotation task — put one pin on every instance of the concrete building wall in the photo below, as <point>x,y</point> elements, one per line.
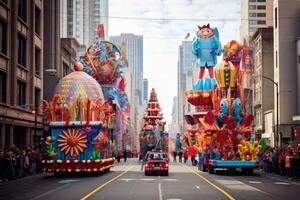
<point>298,72</point>
<point>21,67</point>
<point>286,30</point>
<point>255,14</point>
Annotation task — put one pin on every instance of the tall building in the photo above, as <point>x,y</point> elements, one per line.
<point>133,45</point>
<point>184,70</point>
<point>145,90</point>
<point>255,14</point>
<point>21,71</point>
<point>80,19</point>
<point>263,99</point>
<point>59,53</point>
<point>286,30</point>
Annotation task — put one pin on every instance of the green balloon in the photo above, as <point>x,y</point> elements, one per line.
<point>263,144</point>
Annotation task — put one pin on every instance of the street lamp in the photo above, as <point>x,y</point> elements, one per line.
<point>34,111</point>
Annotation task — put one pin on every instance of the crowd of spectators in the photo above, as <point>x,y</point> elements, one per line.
<point>283,161</point>
<point>16,162</point>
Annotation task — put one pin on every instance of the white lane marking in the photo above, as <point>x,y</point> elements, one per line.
<point>197,186</point>
<point>127,179</point>
<point>281,183</point>
<point>146,179</point>
<point>255,182</point>
<point>295,183</point>
<point>279,179</point>
<point>238,185</point>
<point>159,191</point>
<point>169,179</point>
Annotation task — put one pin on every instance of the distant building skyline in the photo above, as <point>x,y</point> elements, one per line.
<point>80,19</point>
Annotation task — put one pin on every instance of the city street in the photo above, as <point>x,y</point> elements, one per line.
<point>127,181</point>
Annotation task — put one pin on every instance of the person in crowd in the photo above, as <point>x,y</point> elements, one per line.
<point>282,155</point>
<point>174,156</point>
<point>185,156</point>
<point>180,156</point>
<point>125,155</point>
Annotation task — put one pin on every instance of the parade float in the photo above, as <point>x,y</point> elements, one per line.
<point>220,130</point>
<point>83,112</point>
<point>153,135</point>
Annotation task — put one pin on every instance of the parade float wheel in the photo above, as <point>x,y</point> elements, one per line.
<point>231,170</point>
<point>211,170</point>
<point>247,171</point>
<point>146,173</point>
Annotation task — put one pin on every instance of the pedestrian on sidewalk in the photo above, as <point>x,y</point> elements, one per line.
<point>125,155</point>
<point>282,163</point>
<point>180,156</point>
<point>185,156</point>
<point>288,165</point>
<point>174,156</point>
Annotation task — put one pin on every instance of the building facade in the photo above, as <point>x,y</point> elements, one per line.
<point>286,30</point>
<point>185,80</point>
<point>133,46</point>
<point>263,99</point>
<point>80,19</point>
<point>21,71</point>
<point>255,14</point>
<point>145,91</point>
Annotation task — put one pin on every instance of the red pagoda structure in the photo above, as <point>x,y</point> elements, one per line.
<point>153,135</point>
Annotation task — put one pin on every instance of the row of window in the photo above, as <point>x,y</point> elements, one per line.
<point>261,22</point>
<point>21,91</point>
<point>257,14</point>
<point>22,48</point>
<point>254,7</point>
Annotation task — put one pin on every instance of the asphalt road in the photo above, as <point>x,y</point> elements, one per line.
<point>127,182</point>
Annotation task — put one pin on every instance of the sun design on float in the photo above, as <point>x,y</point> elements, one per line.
<point>72,141</point>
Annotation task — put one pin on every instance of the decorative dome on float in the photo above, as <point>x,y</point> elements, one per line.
<point>226,74</point>
<point>78,84</point>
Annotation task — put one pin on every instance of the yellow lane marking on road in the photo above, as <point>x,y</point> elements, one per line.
<point>104,184</point>
<point>211,183</point>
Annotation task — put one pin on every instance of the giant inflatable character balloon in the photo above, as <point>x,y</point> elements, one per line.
<point>206,47</point>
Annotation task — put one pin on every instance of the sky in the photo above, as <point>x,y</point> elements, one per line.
<point>163,37</point>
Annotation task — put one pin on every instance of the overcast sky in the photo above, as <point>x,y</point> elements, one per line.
<point>162,37</point>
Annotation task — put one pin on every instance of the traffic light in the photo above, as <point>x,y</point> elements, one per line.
<point>295,132</point>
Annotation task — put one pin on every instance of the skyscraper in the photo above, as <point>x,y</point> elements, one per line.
<point>133,45</point>
<point>80,19</point>
<point>185,69</point>
<point>145,90</point>
<point>255,14</point>
<point>286,30</point>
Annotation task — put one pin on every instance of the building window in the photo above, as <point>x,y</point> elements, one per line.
<point>252,22</point>
<point>37,20</point>
<point>21,50</point>
<point>276,18</point>
<point>252,7</point>
<point>3,36</point>
<point>252,29</point>
<point>22,10</point>
<point>261,22</point>
<point>261,0</point>
<point>66,69</point>
<point>37,61</point>
<point>252,0</point>
<point>2,87</point>
<point>21,93</point>
<point>261,7</point>
<point>37,97</point>
<point>261,14</point>
<point>252,14</point>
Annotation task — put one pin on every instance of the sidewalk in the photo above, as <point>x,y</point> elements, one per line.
<point>275,176</point>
